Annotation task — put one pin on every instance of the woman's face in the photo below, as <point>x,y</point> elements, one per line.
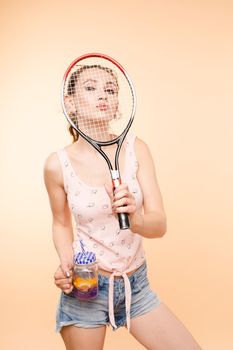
<point>96,96</point>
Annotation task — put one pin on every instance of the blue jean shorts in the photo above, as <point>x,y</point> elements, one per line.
<point>93,313</point>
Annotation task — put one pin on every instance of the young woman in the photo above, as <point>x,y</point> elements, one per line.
<point>78,182</point>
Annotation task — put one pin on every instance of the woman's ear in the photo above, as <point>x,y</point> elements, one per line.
<point>69,104</point>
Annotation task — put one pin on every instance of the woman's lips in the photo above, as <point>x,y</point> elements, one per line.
<point>102,107</point>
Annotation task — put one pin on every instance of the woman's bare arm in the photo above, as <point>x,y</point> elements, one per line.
<point>62,223</point>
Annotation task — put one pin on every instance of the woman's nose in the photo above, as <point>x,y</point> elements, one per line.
<point>102,96</point>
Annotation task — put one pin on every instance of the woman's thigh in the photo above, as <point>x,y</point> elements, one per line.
<point>77,338</point>
<point>159,329</point>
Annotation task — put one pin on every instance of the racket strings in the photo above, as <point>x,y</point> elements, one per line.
<point>98,99</point>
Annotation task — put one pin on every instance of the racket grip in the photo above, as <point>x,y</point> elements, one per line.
<point>123,218</point>
<point>123,221</point>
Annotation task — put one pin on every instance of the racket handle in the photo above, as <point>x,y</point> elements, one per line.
<point>123,218</point>
<point>123,221</point>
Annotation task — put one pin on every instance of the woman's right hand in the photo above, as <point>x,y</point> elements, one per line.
<point>63,279</point>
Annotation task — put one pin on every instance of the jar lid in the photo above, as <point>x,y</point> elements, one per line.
<point>84,258</point>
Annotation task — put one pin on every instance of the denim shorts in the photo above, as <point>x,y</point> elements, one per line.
<point>93,313</point>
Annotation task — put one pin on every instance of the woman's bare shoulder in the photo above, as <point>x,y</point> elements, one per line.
<point>52,164</point>
<point>52,169</point>
<point>141,148</point>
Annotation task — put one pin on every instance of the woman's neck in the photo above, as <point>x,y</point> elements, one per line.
<point>83,146</point>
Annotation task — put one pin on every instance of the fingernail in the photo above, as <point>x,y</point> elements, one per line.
<point>67,274</point>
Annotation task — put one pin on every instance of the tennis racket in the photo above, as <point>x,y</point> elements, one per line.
<point>99,102</point>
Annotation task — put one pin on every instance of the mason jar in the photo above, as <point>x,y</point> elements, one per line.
<point>85,276</point>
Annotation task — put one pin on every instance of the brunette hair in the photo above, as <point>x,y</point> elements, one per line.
<point>73,132</point>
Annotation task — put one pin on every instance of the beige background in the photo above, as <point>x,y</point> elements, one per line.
<point>179,54</point>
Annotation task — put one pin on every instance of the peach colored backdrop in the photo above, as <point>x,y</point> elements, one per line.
<point>179,54</point>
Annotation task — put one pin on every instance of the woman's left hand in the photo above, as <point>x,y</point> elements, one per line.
<point>123,201</point>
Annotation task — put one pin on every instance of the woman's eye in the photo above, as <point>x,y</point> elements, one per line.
<point>110,91</point>
<point>90,88</point>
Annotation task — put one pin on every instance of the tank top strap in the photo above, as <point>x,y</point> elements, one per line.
<point>131,159</point>
<point>130,140</point>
